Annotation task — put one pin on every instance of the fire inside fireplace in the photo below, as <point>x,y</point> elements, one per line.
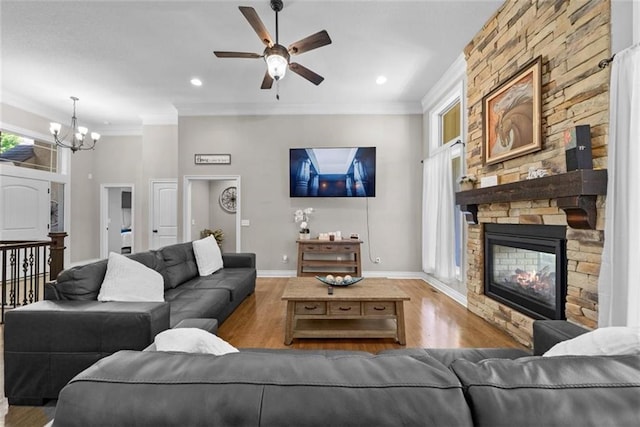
<point>526,268</point>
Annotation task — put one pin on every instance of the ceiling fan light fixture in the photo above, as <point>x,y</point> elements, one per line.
<point>277,59</point>
<point>275,55</point>
<point>277,66</point>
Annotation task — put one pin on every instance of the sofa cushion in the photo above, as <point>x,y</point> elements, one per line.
<point>447,356</point>
<point>251,389</point>
<point>537,391</point>
<point>609,341</point>
<point>195,303</point>
<point>240,282</point>
<point>83,282</point>
<point>547,333</point>
<point>180,264</point>
<point>129,280</point>
<point>208,255</point>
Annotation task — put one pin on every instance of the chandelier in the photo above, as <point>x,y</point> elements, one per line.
<point>78,134</point>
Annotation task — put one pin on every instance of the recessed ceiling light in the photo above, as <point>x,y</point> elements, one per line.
<point>381,80</point>
<point>196,82</point>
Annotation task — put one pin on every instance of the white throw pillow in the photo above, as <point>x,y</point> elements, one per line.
<point>129,280</point>
<point>208,255</point>
<point>611,341</point>
<point>192,340</point>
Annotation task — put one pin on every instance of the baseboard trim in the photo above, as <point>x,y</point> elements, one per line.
<point>442,287</point>
<point>276,273</point>
<point>389,274</point>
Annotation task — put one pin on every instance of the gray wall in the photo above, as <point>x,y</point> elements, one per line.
<point>157,161</point>
<point>200,207</point>
<point>259,146</point>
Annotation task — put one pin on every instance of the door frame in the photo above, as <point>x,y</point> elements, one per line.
<point>151,201</point>
<point>186,204</point>
<point>104,215</point>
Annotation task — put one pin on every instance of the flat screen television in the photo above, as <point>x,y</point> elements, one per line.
<point>332,172</point>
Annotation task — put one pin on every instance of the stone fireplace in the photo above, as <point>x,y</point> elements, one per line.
<point>526,268</point>
<point>571,37</point>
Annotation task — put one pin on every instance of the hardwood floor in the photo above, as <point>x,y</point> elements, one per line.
<point>432,320</point>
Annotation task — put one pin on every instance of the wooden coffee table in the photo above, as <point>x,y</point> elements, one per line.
<point>371,308</point>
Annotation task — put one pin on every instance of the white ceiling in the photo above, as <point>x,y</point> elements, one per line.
<point>130,62</point>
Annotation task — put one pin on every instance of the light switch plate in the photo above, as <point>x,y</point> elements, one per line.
<point>245,223</point>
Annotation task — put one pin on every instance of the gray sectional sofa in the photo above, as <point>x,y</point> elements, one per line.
<point>408,387</point>
<point>47,343</point>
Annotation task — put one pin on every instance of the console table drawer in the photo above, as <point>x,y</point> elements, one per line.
<point>329,248</point>
<point>311,307</point>
<point>379,308</point>
<point>344,308</point>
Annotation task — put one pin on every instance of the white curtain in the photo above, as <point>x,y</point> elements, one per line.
<point>619,282</point>
<point>438,235</point>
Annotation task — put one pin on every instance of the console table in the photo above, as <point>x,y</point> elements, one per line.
<point>318,257</point>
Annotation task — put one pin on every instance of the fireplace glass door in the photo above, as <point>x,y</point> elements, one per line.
<point>525,268</point>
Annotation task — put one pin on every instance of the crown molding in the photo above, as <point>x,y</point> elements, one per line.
<point>159,119</point>
<point>247,109</point>
<point>29,106</point>
<point>456,72</point>
<point>114,130</point>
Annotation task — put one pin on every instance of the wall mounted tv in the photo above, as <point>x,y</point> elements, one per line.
<point>332,172</point>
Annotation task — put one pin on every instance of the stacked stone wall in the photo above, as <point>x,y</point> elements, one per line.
<point>571,37</point>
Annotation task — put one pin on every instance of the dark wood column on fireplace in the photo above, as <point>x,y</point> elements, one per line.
<point>575,191</point>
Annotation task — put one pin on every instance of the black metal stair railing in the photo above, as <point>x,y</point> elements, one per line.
<point>23,273</point>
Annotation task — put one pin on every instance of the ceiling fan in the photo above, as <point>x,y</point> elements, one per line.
<point>276,55</point>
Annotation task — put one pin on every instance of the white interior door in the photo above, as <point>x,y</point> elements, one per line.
<point>164,215</point>
<point>25,210</point>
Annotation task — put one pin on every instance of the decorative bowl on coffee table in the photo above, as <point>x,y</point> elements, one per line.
<point>331,280</point>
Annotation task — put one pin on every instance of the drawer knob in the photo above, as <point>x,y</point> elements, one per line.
<point>310,307</point>
<point>379,308</point>
<point>345,308</point>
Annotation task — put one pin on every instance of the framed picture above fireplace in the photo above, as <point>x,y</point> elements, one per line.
<point>511,116</point>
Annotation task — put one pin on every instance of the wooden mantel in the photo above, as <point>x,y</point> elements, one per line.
<point>575,191</point>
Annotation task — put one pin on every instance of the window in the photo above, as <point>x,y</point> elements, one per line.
<point>28,153</point>
<point>450,124</point>
<point>446,130</point>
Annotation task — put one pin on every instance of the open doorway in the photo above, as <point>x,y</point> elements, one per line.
<point>212,203</point>
<point>116,219</point>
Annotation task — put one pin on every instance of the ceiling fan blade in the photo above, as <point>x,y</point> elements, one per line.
<point>236,54</point>
<point>314,78</point>
<point>311,42</point>
<point>267,82</point>
<point>256,23</point>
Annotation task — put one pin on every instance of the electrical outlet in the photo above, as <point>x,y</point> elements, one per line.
<point>285,259</point>
<point>378,260</point>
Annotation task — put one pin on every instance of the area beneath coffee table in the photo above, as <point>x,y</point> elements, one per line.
<point>372,308</point>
